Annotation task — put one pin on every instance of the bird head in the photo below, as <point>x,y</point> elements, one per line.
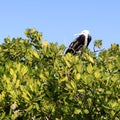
<point>85,32</point>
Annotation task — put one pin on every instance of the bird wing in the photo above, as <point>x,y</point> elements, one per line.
<point>76,45</point>
<point>89,39</point>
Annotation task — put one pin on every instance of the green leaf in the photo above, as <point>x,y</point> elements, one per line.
<point>45,44</point>
<point>29,108</point>
<point>86,111</point>
<point>77,111</point>
<point>67,60</point>
<point>73,84</point>
<point>24,70</point>
<point>35,54</point>
<point>24,95</point>
<point>12,72</point>
<point>42,76</point>
<point>108,92</point>
<point>68,86</point>
<point>81,91</point>
<point>64,79</point>
<point>79,68</point>
<point>2,115</point>
<point>90,59</point>
<point>2,96</point>
<point>17,84</point>
<point>98,43</point>
<point>77,76</point>
<point>89,68</point>
<point>97,74</point>
<point>67,63</point>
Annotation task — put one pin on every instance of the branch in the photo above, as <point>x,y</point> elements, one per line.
<point>98,50</point>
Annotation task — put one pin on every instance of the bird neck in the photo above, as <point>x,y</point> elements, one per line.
<point>86,37</point>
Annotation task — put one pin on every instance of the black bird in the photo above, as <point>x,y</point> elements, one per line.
<point>81,41</point>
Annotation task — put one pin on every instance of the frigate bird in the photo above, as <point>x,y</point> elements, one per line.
<point>81,41</point>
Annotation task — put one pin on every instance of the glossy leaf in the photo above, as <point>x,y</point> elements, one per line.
<point>89,68</point>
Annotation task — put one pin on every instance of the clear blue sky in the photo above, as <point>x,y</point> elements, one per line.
<point>59,20</point>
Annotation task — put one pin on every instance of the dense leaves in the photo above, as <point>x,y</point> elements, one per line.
<point>37,81</point>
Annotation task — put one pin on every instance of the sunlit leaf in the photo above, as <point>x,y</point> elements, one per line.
<point>97,74</point>
<point>77,111</point>
<point>12,72</point>
<point>77,76</point>
<point>86,111</point>
<point>68,86</point>
<point>79,68</point>
<point>64,79</point>
<point>90,59</point>
<point>17,83</point>
<point>89,68</point>
<point>98,43</point>
<point>24,70</point>
<point>29,108</point>
<point>81,91</point>
<point>73,84</point>
<point>35,54</point>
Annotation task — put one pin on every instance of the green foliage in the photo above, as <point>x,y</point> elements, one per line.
<point>39,82</point>
<point>98,43</point>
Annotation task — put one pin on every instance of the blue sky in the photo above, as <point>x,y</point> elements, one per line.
<point>59,20</point>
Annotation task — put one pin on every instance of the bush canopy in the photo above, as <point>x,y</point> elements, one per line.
<point>39,82</point>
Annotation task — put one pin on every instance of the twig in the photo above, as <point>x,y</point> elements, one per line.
<point>98,50</point>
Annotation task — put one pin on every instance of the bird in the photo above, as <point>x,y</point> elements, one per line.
<point>83,40</point>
